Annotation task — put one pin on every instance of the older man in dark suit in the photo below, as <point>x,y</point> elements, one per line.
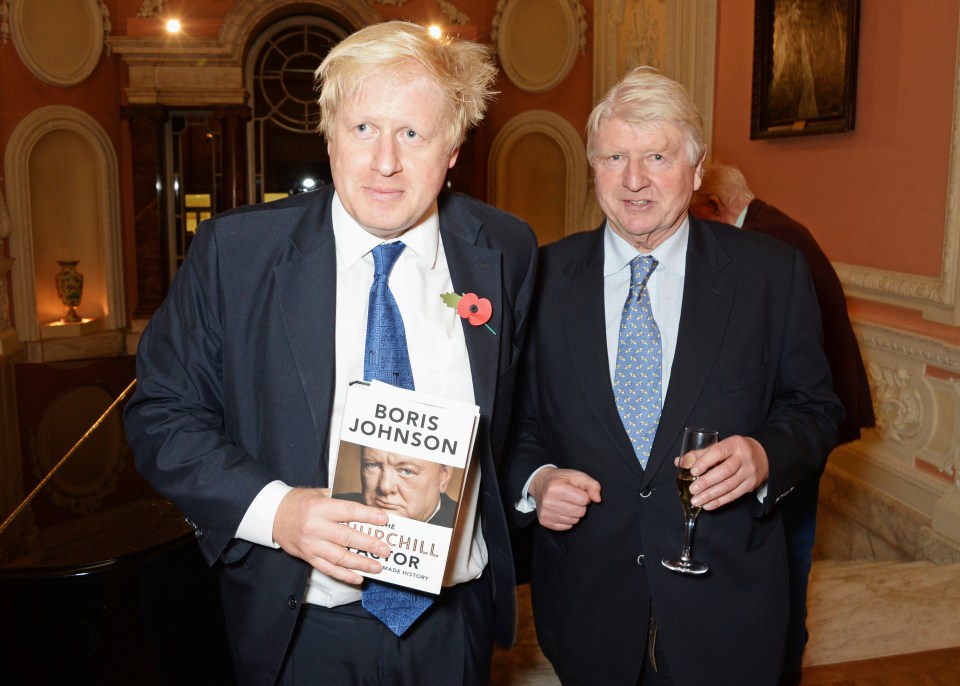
<point>242,375</point>
<point>654,322</point>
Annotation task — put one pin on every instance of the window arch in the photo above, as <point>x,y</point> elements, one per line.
<point>286,155</point>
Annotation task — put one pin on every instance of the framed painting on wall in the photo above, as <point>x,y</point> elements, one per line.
<point>804,67</point>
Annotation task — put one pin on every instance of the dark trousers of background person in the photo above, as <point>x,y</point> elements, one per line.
<point>451,643</point>
<point>799,512</point>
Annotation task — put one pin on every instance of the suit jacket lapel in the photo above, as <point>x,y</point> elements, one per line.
<point>707,300</point>
<point>476,270</point>
<point>307,291</point>
<point>585,337</point>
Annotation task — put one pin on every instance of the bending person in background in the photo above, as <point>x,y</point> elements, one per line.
<point>725,196</point>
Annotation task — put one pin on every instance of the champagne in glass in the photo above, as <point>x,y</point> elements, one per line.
<point>693,439</point>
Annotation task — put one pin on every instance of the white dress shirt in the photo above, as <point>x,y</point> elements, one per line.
<point>438,357</point>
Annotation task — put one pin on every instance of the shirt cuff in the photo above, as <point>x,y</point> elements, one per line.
<point>762,491</point>
<point>257,524</point>
<point>527,502</point>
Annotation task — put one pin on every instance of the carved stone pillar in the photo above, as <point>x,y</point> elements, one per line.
<point>146,135</point>
<point>233,189</point>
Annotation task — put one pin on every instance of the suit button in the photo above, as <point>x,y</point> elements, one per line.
<point>292,602</point>
<point>640,562</point>
<point>645,493</point>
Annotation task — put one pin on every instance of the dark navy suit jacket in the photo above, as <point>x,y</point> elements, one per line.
<point>235,386</point>
<point>748,362</point>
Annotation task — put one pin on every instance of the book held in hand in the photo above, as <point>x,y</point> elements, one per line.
<point>406,453</point>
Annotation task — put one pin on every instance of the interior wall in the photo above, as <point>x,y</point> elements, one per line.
<point>875,196</point>
<point>878,200</point>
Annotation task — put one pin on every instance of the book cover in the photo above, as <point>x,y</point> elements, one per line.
<point>406,453</point>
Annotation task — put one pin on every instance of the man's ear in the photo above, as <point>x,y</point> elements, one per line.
<point>716,205</point>
<point>445,473</point>
<point>453,157</point>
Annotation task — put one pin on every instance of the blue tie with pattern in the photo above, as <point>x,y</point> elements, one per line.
<point>386,359</point>
<point>636,382</point>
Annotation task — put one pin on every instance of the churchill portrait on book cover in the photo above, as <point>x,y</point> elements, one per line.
<point>401,485</point>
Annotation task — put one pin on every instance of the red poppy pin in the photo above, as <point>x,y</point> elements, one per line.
<point>475,310</point>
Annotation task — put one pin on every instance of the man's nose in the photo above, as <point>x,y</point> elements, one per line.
<point>635,175</point>
<point>387,482</point>
<point>386,160</point>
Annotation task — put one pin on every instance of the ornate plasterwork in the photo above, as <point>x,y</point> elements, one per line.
<point>107,25</point>
<point>151,8</point>
<point>453,15</point>
<point>897,403</point>
<point>676,37</point>
<point>913,454</point>
<point>4,21</point>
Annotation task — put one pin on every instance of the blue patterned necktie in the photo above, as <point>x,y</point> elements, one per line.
<point>636,382</point>
<point>386,359</point>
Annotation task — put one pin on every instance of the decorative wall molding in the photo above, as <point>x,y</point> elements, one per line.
<point>60,53</point>
<point>20,147</point>
<point>678,38</point>
<point>4,21</point>
<point>453,15</point>
<point>102,455</point>
<point>913,454</point>
<point>898,408</point>
<point>537,44</point>
<point>183,71</point>
<point>107,24</point>
<point>151,8</point>
<point>938,299</point>
<point>568,141</point>
<point>578,9</point>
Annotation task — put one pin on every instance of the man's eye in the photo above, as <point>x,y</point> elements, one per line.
<point>407,472</point>
<point>410,134</point>
<point>363,128</point>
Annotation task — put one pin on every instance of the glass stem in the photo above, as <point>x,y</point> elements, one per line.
<point>687,536</point>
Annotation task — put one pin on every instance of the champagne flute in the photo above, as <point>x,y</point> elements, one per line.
<point>693,439</point>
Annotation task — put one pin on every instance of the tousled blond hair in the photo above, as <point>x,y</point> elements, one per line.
<point>463,70</point>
